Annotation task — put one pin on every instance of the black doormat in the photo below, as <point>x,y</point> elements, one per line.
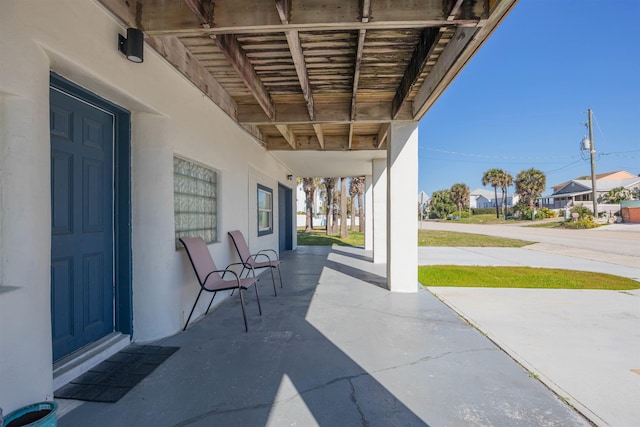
<point>114,377</point>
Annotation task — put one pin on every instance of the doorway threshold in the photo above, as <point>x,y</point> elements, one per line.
<point>81,361</point>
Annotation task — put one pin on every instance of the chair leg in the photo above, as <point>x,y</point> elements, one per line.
<point>280,274</point>
<point>273,280</point>
<point>210,302</point>
<point>192,308</point>
<point>244,315</point>
<point>255,285</point>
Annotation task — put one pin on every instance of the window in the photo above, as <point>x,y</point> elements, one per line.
<point>194,200</point>
<point>265,210</point>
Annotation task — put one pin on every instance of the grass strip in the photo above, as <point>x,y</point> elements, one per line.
<point>520,277</point>
<point>318,237</point>
<point>458,239</point>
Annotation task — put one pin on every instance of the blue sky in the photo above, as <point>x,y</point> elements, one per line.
<point>521,101</point>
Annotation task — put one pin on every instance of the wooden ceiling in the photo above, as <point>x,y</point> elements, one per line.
<point>316,75</point>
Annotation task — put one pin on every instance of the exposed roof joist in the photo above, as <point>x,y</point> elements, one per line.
<point>316,74</point>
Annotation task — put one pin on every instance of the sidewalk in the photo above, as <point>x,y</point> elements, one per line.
<point>584,345</point>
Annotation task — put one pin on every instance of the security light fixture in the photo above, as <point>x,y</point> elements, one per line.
<point>133,45</point>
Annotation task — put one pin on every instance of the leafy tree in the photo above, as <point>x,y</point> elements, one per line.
<point>530,183</point>
<point>616,195</point>
<point>493,177</point>
<point>460,196</point>
<point>441,204</point>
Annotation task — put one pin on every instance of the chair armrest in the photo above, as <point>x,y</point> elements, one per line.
<point>269,250</point>
<point>254,256</point>
<point>244,264</point>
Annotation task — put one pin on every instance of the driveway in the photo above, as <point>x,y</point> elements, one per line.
<point>584,345</point>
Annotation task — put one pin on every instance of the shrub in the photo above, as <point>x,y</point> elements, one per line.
<point>586,222</point>
<point>483,211</point>
<point>582,211</point>
<point>464,214</point>
<point>545,213</point>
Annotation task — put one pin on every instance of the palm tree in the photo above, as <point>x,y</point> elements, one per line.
<point>460,195</point>
<point>353,191</point>
<point>329,184</point>
<point>493,176</point>
<point>343,207</point>
<point>530,184</point>
<point>309,185</point>
<point>506,181</point>
<point>360,191</point>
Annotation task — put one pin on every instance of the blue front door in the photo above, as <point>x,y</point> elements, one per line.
<point>82,288</point>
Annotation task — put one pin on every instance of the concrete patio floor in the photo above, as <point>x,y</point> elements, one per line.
<point>334,348</point>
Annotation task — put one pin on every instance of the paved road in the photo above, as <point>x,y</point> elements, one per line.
<point>615,243</point>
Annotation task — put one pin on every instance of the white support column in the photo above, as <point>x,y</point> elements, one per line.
<point>368,213</point>
<point>379,205</point>
<point>402,220</point>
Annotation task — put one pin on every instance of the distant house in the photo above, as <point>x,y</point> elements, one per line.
<point>579,190</point>
<point>483,198</point>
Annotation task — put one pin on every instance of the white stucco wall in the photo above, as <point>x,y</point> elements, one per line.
<point>77,39</point>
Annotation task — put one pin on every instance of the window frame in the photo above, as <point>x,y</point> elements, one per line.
<point>262,231</point>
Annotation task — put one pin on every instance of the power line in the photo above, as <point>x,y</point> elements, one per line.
<point>487,156</point>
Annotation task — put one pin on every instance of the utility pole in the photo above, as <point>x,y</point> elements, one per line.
<point>592,149</point>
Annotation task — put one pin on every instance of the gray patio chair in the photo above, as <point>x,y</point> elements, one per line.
<point>209,276</point>
<point>255,261</point>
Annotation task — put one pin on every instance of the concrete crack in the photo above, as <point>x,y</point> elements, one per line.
<point>354,399</point>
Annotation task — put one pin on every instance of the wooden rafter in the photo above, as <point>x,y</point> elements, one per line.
<point>203,10</point>
<point>383,134</point>
<point>428,41</point>
<point>365,10</point>
<point>174,52</point>
<point>458,51</point>
<point>238,59</point>
<point>350,141</point>
<point>288,135</point>
<point>327,113</point>
<point>455,8</point>
<point>293,40</point>
<point>320,134</point>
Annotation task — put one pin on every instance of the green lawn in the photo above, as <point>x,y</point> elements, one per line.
<point>457,239</point>
<point>483,219</point>
<point>551,224</point>
<point>520,277</point>
<point>318,237</point>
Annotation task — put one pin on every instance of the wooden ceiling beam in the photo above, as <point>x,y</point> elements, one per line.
<point>383,134</point>
<point>428,41</point>
<point>332,143</point>
<point>238,59</point>
<point>293,40</point>
<point>326,113</point>
<point>203,10</point>
<point>461,48</point>
<point>365,10</point>
<point>455,8</point>
<point>176,54</point>
<point>288,135</point>
<point>317,27</point>
<point>319,134</point>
